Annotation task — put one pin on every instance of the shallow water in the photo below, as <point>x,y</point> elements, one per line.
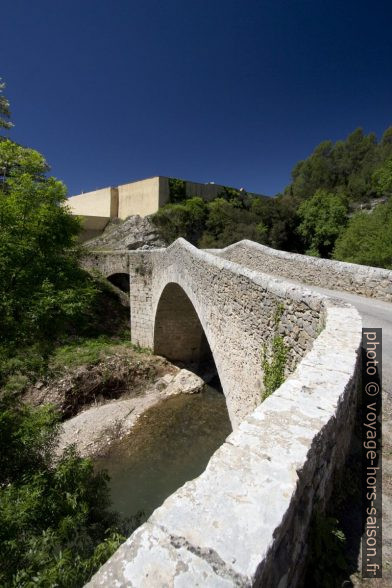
<point>170,444</point>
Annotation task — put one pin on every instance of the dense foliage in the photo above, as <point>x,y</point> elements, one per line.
<point>56,528</point>
<point>367,238</point>
<point>323,216</point>
<point>5,112</point>
<point>42,288</point>
<point>344,167</point>
<point>184,219</point>
<point>224,220</point>
<point>177,190</point>
<point>318,213</point>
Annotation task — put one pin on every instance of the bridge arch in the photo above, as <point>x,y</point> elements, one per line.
<point>178,332</point>
<point>121,280</point>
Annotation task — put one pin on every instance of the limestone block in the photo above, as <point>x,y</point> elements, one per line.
<point>185,382</point>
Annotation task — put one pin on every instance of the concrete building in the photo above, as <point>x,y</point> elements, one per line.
<point>143,197</point>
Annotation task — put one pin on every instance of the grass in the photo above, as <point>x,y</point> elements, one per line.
<point>16,383</point>
<point>103,331</point>
<point>32,363</point>
<point>90,351</point>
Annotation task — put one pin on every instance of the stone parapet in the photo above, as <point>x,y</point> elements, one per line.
<point>364,280</point>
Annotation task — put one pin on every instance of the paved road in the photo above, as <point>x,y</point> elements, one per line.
<point>376,313</point>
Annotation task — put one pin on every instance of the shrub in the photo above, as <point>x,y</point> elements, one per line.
<point>273,368</point>
<point>177,190</point>
<point>186,220</point>
<point>367,238</point>
<point>274,358</point>
<point>56,527</point>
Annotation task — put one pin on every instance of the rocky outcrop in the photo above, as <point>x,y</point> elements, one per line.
<point>136,232</point>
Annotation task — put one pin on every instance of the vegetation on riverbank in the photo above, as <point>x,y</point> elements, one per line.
<point>338,205</point>
<point>56,526</point>
<point>90,351</point>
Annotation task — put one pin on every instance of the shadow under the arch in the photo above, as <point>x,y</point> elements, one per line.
<point>179,335</point>
<point>121,281</point>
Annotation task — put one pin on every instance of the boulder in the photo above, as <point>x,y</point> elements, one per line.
<point>185,382</point>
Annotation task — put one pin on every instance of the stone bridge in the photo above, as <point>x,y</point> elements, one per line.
<point>244,521</point>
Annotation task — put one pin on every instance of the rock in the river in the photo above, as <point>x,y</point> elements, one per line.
<point>185,382</point>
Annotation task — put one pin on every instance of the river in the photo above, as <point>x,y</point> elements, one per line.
<point>170,444</point>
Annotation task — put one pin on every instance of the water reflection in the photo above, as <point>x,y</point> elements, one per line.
<point>170,444</point>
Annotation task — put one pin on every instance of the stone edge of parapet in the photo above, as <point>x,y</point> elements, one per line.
<point>318,262</point>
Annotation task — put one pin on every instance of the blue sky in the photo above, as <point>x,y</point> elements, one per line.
<point>231,91</point>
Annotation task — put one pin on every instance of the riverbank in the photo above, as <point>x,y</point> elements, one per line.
<point>95,428</point>
<point>100,387</point>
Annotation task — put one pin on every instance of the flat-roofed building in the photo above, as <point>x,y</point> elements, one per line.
<point>143,197</point>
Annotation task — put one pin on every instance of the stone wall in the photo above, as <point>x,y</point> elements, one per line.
<point>106,262</point>
<point>142,317</point>
<point>244,521</point>
<point>236,309</point>
<point>337,275</point>
<point>139,267</point>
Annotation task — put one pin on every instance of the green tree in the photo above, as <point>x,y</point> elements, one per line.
<point>42,287</point>
<point>229,221</point>
<point>177,190</point>
<point>56,527</point>
<point>5,112</point>
<point>344,167</point>
<point>382,179</point>
<point>367,238</point>
<point>185,219</point>
<point>315,172</point>
<point>279,217</point>
<point>322,218</point>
